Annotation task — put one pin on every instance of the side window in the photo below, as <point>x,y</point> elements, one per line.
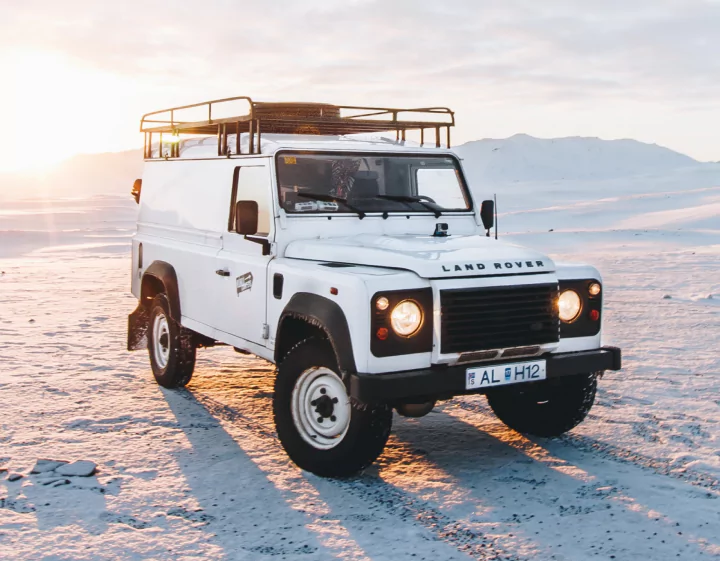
<point>252,184</point>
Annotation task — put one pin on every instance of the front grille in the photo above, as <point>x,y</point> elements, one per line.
<point>477,319</point>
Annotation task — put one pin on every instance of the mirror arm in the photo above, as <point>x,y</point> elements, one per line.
<point>494,215</point>
<point>264,242</point>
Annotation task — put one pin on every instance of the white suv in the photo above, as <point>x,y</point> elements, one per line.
<point>361,266</point>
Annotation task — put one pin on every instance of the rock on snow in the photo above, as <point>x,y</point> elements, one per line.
<point>43,466</point>
<point>81,468</point>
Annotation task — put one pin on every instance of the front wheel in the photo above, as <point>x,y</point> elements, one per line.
<point>548,408</point>
<point>320,428</point>
<point>171,346</point>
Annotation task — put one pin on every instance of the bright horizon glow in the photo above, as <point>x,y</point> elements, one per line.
<point>53,100</point>
<point>77,76</point>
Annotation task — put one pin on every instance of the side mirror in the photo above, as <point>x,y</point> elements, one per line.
<point>246,218</point>
<point>487,214</point>
<point>136,188</point>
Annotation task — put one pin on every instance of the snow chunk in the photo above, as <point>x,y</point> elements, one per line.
<point>15,476</point>
<point>81,468</point>
<point>43,466</point>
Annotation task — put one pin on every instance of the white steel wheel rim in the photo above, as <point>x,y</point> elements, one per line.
<point>161,340</point>
<point>320,408</point>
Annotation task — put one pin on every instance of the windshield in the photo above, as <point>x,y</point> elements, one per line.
<point>364,182</point>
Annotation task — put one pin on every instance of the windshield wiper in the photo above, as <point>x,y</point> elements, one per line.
<point>410,199</point>
<point>331,199</point>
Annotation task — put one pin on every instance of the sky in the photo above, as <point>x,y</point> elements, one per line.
<point>76,76</point>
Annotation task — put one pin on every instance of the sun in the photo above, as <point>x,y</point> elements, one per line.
<point>53,108</point>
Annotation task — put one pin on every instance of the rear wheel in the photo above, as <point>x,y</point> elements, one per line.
<point>170,345</point>
<point>548,408</point>
<point>320,428</point>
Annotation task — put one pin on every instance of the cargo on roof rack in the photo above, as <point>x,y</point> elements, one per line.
<point>237,115</point>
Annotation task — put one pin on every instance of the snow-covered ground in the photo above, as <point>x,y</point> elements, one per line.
<point>199,473</point>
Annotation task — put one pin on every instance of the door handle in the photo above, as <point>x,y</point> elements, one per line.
<point>223,272</point>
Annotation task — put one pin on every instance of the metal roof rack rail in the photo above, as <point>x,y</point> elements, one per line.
<point>222,117</point>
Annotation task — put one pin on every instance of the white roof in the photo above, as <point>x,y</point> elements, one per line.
<point>206,147</point>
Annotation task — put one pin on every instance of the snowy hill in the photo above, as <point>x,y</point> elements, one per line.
<point>525,158</point>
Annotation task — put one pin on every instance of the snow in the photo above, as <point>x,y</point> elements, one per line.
<point>199,472</point>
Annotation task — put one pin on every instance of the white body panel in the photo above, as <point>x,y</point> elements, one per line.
<point>184,214</point>
<point>469,255</point>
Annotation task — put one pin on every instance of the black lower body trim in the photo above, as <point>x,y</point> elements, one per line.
<point>447,381</point>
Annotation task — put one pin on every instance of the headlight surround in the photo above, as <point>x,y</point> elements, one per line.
<point>406,318</point>
<point>569,305</point>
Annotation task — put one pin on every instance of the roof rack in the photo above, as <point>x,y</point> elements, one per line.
<point>222,117</point>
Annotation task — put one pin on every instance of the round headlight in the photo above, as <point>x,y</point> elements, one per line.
<point>406,318</point>
<point>569,305</point>
<point>594,288</point>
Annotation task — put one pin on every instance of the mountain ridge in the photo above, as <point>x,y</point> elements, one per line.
<point>522,157</point>
<point>518,158</point>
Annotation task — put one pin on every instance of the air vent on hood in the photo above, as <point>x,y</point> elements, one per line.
<point>337,265</point>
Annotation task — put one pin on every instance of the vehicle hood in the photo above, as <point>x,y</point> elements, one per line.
<point>429,257</point>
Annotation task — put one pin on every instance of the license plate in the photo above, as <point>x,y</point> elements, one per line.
<point>504,374</point>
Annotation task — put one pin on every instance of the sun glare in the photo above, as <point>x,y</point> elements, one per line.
<point>50,109</point>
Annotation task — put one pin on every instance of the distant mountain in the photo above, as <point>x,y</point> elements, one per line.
<point>519,158</point>
<point>525,158</point>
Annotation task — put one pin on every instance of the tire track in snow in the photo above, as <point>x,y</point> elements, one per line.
<point>394,501</point>
<point>622,455</point>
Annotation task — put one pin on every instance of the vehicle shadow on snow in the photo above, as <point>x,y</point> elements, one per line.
<point>538,489</point>
<point>240,506</point>
<point>438,466</point>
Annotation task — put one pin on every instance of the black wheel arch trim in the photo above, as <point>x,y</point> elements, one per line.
<point>138,321</point>
<point>165,273</point>
<point>326,315</point>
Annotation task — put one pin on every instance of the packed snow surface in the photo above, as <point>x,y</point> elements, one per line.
<point>199,473</point>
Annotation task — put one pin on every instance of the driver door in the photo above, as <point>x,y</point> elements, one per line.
<point>242,299</point>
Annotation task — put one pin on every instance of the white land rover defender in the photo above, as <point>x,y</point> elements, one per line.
<point>361,266</point>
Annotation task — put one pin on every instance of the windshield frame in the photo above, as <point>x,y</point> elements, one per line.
<point>466,193</point>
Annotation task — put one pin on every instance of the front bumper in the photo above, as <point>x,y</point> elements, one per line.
<point>446,381</point>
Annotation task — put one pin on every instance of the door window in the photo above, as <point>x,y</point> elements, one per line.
<point>252,183</point>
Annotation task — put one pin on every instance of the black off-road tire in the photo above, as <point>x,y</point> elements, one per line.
<point>367,433</point>
<point>548,408</point>
<point>178,369</point>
